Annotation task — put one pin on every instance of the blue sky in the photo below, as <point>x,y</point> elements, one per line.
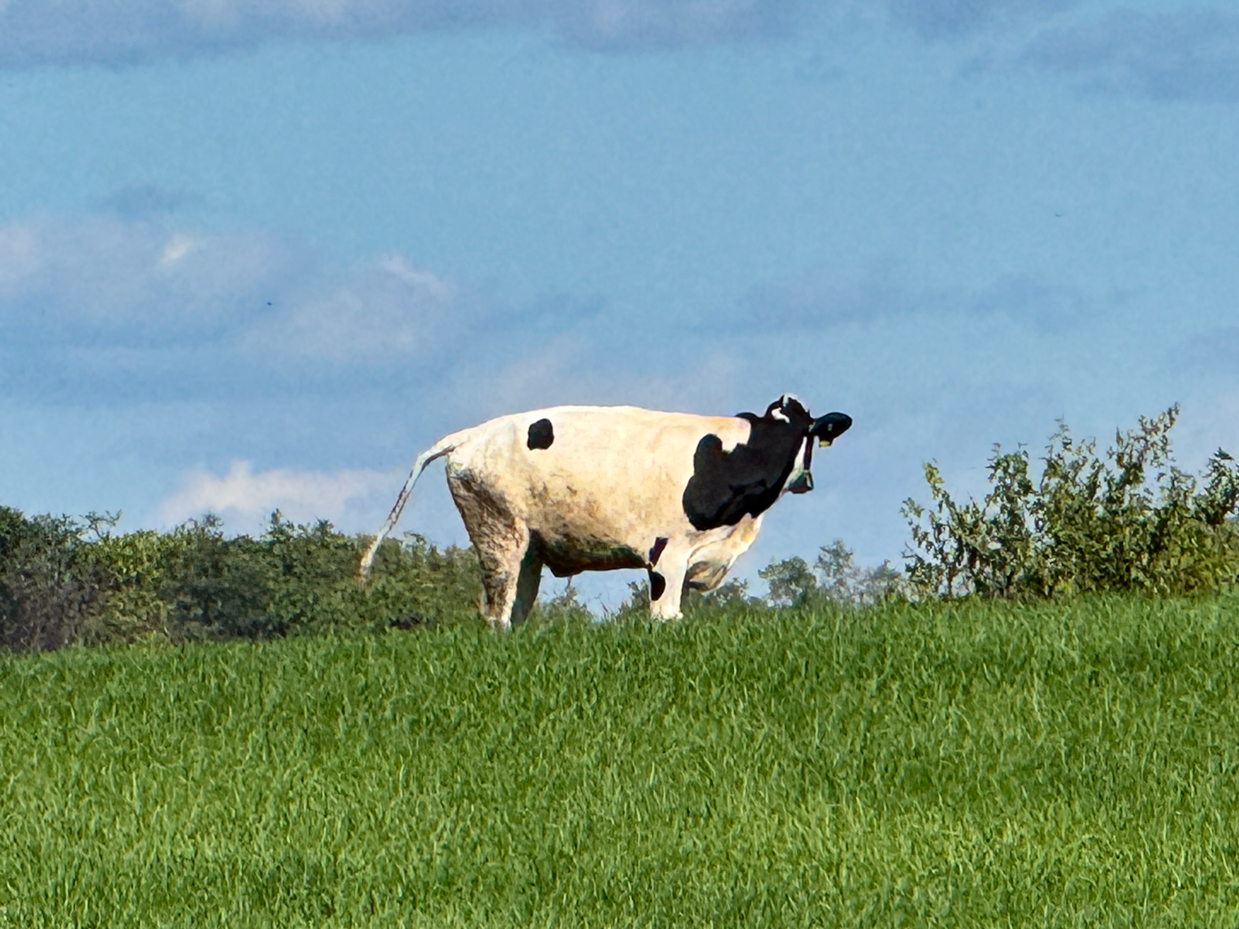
<point>259,254</point>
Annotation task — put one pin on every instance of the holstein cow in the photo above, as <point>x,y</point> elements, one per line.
<point>587,488</point>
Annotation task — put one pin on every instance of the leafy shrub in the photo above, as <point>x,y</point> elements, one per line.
<point>1130,520</point>
<point>51,591</point>
<point>133,568</point>
<point>303,578</point>
<point>413,583</point>
<point>216,587</point>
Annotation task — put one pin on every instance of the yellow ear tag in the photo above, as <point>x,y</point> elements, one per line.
<point>823,442</point>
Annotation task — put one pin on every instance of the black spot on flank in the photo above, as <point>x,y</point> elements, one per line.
<point>541,434</point>
<point>656,552</point>
<point>658,584</point>
<point>726,486</point>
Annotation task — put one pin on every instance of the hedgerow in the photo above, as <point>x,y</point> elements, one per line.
<point>66,581</point>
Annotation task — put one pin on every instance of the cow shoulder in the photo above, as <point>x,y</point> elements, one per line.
<point>728,485</point>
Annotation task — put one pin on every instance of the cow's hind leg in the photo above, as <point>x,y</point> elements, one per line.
<point>511,573</point>
<point>511,567</point>
<point>527,580</point>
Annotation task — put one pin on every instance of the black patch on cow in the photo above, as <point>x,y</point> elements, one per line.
<point>746,480</point>
<point>541,434</point>
<point>656,552</point>
<point>658,584</point>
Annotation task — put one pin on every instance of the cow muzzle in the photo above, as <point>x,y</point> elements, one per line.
<point>829,427</point>
<point>801,483</point>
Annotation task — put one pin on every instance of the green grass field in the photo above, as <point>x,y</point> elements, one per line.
<point>932,765</point>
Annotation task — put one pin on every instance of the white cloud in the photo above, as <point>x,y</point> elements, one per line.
<point>245,499</point>
<point>147,277</point>
<point>141,287</point>
<point>386,310</point>
<point>177,248</point>
<point>76,32</point>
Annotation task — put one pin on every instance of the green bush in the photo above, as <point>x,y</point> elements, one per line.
<point>52,591</point>
<point>413,583</point>
<point>1130,520</point>
<point>218,587</point>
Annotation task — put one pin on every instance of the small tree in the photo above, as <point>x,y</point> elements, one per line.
<point>791,581</point>
<point>834,577</point>
<point>843,581</point>
<point>1128,520</point>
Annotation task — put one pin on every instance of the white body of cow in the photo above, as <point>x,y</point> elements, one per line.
<point>601,488</point>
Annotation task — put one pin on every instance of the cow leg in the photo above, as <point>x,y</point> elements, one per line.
<point>667,584</point>
<point>527,580</point>
<point>511,567</point>
<point>511,573</point>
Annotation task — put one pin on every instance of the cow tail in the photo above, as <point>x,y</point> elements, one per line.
<point>438,450</point>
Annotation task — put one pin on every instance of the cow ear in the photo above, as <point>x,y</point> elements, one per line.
<point>792,405</point>
<point>786,408</point>
<point>829,427</point>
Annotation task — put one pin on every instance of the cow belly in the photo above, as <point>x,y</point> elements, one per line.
<point>568,556</point>
<point>571,532</point>
<point>577,530</point>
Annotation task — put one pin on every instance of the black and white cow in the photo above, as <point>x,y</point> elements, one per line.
<point>586,488</point>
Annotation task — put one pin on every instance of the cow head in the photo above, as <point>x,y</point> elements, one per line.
<point>824,429</point>
<point>727,485</point>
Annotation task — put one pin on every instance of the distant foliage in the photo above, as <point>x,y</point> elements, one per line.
<point>564,607</point>
<point>52,588</point>
<point>731,594</point>
<point>833,578</point>
<point>77,582</point>
<point>68,582</point>
<point>791,581</point>
<point>1128,520</point>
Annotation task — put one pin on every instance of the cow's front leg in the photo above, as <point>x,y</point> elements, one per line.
<point>667,585</point>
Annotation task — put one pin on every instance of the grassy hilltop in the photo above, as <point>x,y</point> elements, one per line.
<point>926,765</point>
